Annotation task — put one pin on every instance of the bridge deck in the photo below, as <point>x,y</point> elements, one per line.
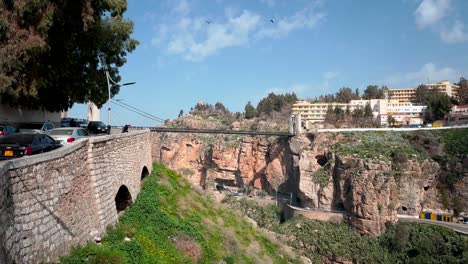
<point>216,131</point>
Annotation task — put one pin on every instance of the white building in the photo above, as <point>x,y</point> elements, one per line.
<point>405,113</point>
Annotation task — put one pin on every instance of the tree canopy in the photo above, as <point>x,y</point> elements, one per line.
<point>49,51</point>
<point>274,102</point>
<point>463,91</point>
<point>346,94</point>
<point>250,111</point>
<point>374,92</point>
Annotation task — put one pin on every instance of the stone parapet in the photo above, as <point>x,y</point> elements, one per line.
<point>53,201</point>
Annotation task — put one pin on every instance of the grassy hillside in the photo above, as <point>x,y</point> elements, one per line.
<point>421,144</point>
<point>171,223</point>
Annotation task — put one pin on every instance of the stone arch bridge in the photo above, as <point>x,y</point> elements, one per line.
<point>53,201</point>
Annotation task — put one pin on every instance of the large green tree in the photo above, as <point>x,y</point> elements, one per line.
<point>438,106</point>
<point>250,111</point>
<point>463,91</point>
<point>422,93</point>
<point>374,92</point>
<point>49,51</point>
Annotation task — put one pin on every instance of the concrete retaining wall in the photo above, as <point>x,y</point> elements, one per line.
<point>53,201</point>
<point>333,217</point>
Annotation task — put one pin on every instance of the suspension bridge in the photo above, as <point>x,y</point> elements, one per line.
<point>194,130</point>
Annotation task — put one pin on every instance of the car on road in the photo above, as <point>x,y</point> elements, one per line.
<point>19,145</point>
<point>29,128</point>
<point>7,129</point>
<point>97,127</point>
<point>67,135</point>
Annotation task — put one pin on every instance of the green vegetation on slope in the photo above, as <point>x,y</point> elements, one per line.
<point>422,143</point>
<point>170,223</point>
<point>401,243</point>
<point>379,145</point>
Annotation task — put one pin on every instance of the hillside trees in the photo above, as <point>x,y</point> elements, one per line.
<point>275,103</point>
<point>49,51</point>
<point>346,94</point>
<point>438,106</point>
<point>374,92</point>
<point>250,111</point>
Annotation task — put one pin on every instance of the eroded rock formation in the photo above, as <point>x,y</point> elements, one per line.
<point>370,191</point>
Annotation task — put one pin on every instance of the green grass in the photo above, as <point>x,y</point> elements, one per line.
<point>401,243</point>
<point>166,210</point>
<point>378,145</point>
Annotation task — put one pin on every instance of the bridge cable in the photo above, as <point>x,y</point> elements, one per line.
<point>139,110</point>
<point>149,117</point>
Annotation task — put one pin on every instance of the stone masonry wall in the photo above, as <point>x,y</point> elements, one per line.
<point>53,201</point>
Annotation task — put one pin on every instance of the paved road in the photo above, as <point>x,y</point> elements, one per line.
<point>461,228</point>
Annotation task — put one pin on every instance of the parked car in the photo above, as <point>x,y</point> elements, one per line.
<point>97,127</point>
<point>29,128</point>
<point>65,122</point>
<point>18,145</point>
<point>6,129</point>
<point>66,135</point>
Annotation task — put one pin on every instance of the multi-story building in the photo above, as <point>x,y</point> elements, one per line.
<point>458,115</point>
<point>403,112</point>
<point>314,112</point>
<point>402,94</point>
<point>409,94</point>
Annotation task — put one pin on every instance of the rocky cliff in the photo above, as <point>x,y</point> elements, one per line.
<point>371,191</point>
<point>229,161</point>
<point>372,177</point>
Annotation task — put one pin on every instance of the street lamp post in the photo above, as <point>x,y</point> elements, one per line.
<point>109,80</point>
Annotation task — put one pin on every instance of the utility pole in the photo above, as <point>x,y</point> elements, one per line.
<point>109,80</point>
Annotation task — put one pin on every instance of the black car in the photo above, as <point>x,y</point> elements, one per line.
<point>18,145</point>
<point>97,127</point>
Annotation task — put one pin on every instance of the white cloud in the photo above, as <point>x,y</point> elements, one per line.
<point>307,18</point>
<point>195,38</point>
<point>455,34</point>
<point>429,12</point>
<point>428,72</point>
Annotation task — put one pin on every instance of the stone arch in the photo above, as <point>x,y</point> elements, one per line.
<point>144,173</point>
<point>123,199</point>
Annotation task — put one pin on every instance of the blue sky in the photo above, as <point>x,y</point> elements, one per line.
<point>230,51</point>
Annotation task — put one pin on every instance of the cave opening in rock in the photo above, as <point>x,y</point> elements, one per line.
<point>144,173</point>
<point>321,160</point>
<point>404,208</point>
<point>340,206</point>
<point>426,188</point>
<point>225,182</point>
<point>123,199</point>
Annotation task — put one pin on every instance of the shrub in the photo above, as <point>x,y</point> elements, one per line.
<point>399,157</point>
<point>321,177</point>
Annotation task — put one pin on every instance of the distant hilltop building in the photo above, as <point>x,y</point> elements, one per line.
<point>399,103</point>
<point>409,94</point>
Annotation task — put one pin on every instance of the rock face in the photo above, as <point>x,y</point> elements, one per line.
<point>212,161</point>
<point>370,191</point>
